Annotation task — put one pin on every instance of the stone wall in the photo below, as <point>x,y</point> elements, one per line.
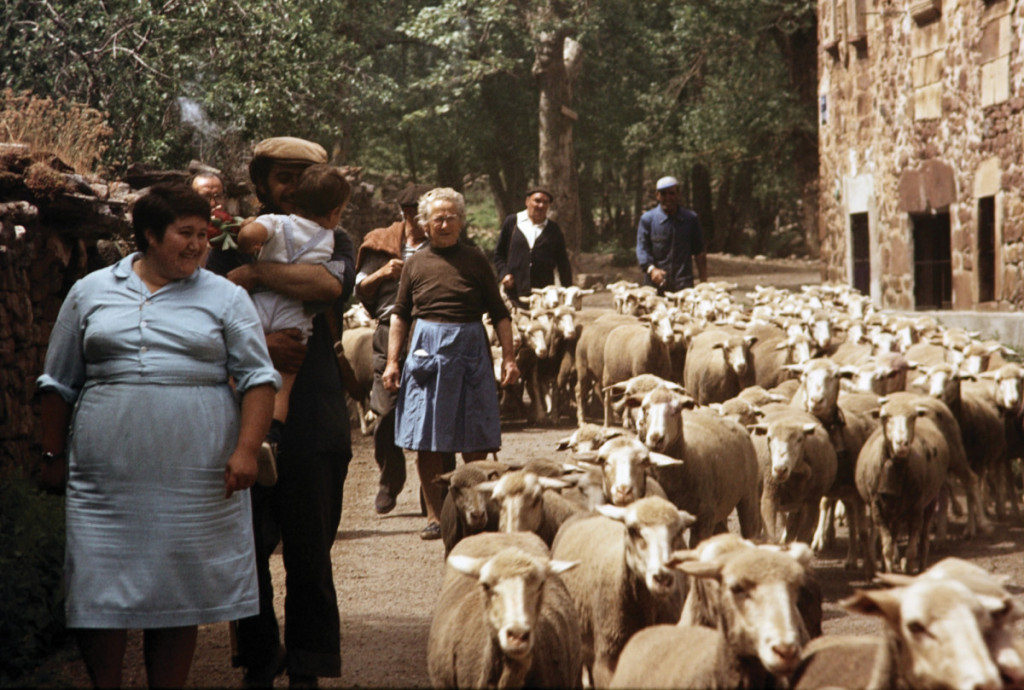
<point>922,103</point>
<point>54,228</point>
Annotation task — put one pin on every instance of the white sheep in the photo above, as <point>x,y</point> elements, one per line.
<point>719,470</point>
<point>504,618</point>
<point>624,582</point>
<point>758,639</point>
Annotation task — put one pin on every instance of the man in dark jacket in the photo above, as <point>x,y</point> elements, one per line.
<point>378,267</point>
<point>530,248</point>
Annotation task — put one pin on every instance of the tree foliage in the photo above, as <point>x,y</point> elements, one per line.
<point>719,93</point>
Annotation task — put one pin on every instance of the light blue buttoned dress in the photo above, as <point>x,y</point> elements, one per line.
<point>151,540</point>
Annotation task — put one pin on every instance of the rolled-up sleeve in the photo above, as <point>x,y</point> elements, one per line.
<point>248,359</point>
<point>64,368</point>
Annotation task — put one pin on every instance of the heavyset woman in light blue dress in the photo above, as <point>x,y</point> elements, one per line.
<point>154,443</point>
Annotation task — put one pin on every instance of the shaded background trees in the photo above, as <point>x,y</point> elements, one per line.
<point>720,93</point>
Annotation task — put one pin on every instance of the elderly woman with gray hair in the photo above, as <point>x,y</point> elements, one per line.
<point>447,401</point>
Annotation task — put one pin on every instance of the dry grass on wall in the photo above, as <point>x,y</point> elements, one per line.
<point>75,133</point>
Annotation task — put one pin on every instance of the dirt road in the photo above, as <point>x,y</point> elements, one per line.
<point>388,579</point>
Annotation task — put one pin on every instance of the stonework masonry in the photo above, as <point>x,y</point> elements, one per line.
<point>921,110</point>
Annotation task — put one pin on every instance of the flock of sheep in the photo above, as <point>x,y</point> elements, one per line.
<point>793,410</point>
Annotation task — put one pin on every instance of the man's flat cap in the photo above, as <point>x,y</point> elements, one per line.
<point>411,193</point>
<point>290,150</point>
<point>543,190</point>
<point>666,183</point>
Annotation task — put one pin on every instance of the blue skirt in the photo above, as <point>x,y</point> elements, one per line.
<point>448,400</point>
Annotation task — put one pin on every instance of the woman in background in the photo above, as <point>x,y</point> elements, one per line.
<point>447,401</point>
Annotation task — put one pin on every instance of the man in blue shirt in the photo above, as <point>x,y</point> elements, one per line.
<point>669,241</point>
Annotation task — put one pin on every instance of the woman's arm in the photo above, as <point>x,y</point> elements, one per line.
<point>509,370</point>
<point>397,334</point>
<point>257,409</point>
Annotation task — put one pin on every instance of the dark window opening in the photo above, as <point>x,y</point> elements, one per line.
<point>987,249</point>
<point>860,236</point>
<point>933,269</point>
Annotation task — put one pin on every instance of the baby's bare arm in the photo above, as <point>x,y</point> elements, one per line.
<point>251,236</point>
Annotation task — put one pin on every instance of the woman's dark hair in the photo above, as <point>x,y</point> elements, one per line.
<point>321,189</point>
<point>162,205</point>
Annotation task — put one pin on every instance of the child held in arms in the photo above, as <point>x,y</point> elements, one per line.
<point>306,237</point>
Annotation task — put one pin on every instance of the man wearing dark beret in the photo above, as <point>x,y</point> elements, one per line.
<point>530,248</point>
<point>378,267</point>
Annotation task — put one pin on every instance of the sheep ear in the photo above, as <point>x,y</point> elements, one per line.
<point>749,340</point>
<point>848,372</point>
<point>444,479</point>
<point>634,400</point>
<point>467,565</point>
<point>800,552</point>
<point>552,483</point>
<point>662,460</point>
<point>613,512</point>
<point>809,427</point>
<point>687,519</point>
<point>558,567</point>
<point>682,556</point>
<point>883,603</point>
<point>758,429</point>
<point>589,456</point>
<point>717,407</point>
<point>564,443</point>
<point>687,403</point>
<point>894,579</point>
<point>487,487</point>
<point>701,569</point>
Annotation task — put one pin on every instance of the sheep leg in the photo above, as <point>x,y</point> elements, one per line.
<point>826,512</point>
<point>749,515</point>
<point>888,546</point>
<point>976,518</point>
<point>770,517</point>
<point>859,533</point>
<point>868,545</point>
<point>581,385</point>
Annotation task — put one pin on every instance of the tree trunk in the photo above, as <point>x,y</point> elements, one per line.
<point>556,66</point>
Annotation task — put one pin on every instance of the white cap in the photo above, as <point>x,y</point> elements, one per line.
<point>666,182</point>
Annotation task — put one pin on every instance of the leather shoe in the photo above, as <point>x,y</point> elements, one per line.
<point>431,531</point>
<point>263,676</point>
<point>385,502</point>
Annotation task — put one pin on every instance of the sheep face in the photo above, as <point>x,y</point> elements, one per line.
<point>898,425</point>
<point>736,351</point>
<point>820,380</point>
<point>821,333</point>
<point>786,447</point>
<point>512,584</point>
<point>624,463</point>
<point>941,382</point>
<point>1008,387</point>
<point>520,497</point>
<point>472,505</point>
<point>996,599</point>
<point>654,529</point>
<point>565,323</point>
<point>660,427</point>
<point>759,589</point>
<point>940,629</point>
<point>538,338</point>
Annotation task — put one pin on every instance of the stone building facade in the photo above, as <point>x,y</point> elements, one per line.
<point>921,107</point>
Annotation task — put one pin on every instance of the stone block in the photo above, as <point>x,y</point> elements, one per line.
<point>995,81</point>
<point>963,292</point>
<point>928,102</point>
